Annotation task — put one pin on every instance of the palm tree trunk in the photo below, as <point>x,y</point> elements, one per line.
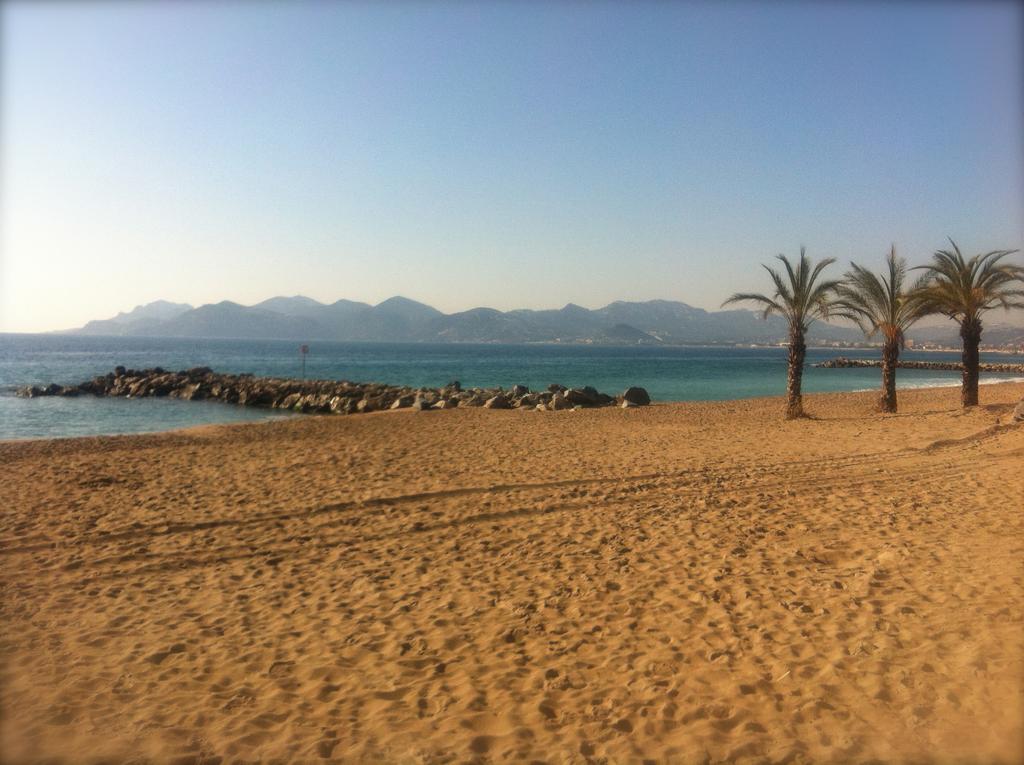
<point>797,351</point>
<point>890,355</point>
<point>970,333</point>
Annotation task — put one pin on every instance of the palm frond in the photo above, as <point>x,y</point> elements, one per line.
<point>966,288</point>
<point>881,304</point>
<point>798,296</point>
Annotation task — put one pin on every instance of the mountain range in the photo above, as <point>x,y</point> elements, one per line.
<point>400,319</point>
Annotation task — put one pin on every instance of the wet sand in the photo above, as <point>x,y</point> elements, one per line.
<point>682,583</point>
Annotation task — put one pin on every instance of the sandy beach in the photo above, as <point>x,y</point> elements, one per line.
<point>681,583</point>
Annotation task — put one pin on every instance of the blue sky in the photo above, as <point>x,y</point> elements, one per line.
<point>503,154</point>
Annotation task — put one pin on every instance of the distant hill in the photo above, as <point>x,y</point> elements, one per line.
<point>136,321</point>
<point>400,319</point>
<point>995,332</point>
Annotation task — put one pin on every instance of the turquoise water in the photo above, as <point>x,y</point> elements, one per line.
<point>669,374</point>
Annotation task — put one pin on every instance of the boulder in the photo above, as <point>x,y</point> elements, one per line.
<point>314,402</point>
<point>422,404</point>
<point>1018,413</point>
<point>289,401</point>
<point>499,401</point>
<point>581,396</point>
<point>518,391</point>
<point>403,402</point>
<point>256,397</point>
<point>559,402</point>
<point>636,396</point>
<point>193,392</point>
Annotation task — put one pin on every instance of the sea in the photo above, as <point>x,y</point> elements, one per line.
<point>668,374</point>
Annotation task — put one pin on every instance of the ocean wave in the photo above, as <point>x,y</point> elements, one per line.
<point>942,384</point>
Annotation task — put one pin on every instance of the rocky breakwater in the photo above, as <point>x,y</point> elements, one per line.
<point>329,396</point>
<point>949,366</point>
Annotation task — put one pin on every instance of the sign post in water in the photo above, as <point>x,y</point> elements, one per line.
<point>303,351</point>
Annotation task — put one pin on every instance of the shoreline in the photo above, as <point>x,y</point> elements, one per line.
<point>282,418</point>
<point>526,344</point>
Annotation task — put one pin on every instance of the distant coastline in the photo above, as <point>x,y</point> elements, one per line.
<point>401,320</point>
<point>1008,349</point>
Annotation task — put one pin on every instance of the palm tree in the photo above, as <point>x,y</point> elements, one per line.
<point>965,289</point>
<point>800,299</point>
<point>881,306</point>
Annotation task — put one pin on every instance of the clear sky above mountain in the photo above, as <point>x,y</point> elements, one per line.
<point>501,154</point>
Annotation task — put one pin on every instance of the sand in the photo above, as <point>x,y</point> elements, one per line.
<point>683,583</point>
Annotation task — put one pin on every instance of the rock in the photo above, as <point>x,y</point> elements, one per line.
<point>636,396</point>
<point>338,397</point>
<point>193,392</point>
<point>842,362</point>
<point>289,401</point>
<point>312,402</point>
<point>559,402</point>
<point>256,397</point>
<point>581,396</point>
<point>1018,413</point>
<point>627,404</point>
